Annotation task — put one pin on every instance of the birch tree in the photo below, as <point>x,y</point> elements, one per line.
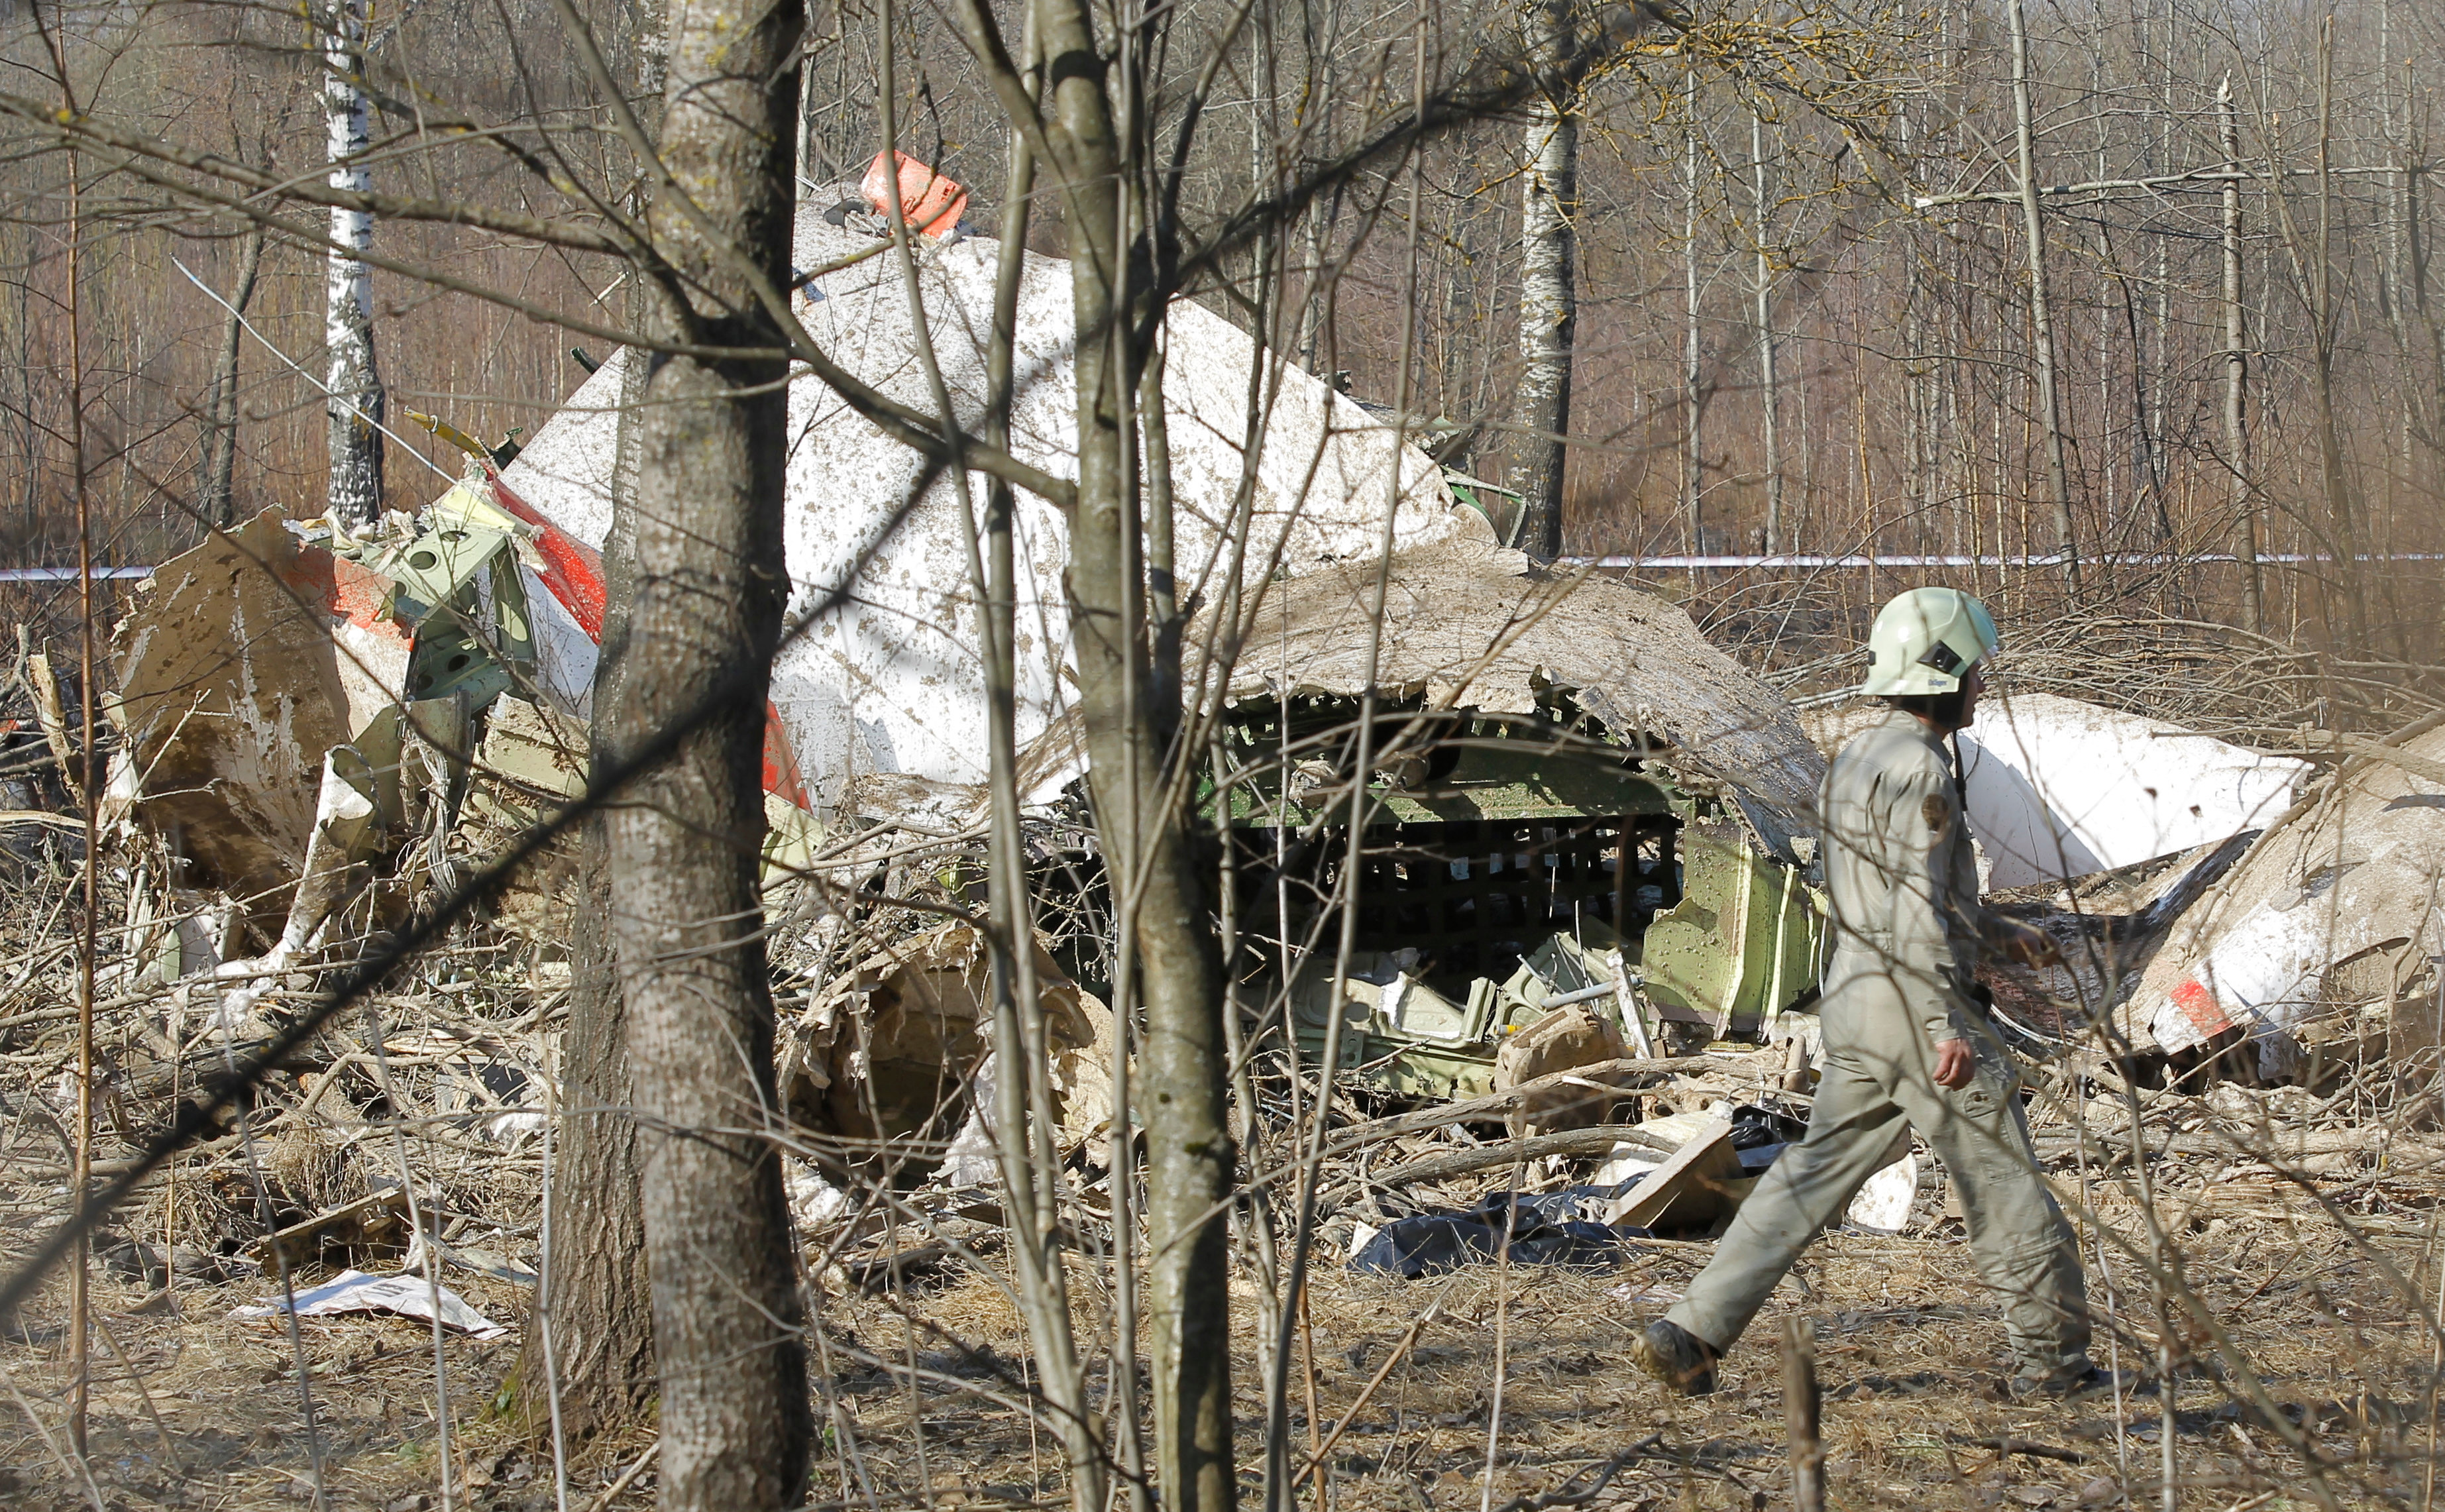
<point>1548,295</point>
<point>352,384</point>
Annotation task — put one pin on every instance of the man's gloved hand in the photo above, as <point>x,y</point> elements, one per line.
<point>2029,945</point>
<point>1955,1064</point>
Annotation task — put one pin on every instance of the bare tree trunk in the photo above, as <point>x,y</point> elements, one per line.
<point>686,910</point>
<point>2237,373</point>
<point>1130,744</point>
<point>2340,508</point>
<point>598,1284</point>
<point>215,501</point>
<point>355,397</point>
<point>1692,481</point>
<point>599,1307</point>
<point>2041,326</point>
<point>1548,304</point>
<point>1769,402</point>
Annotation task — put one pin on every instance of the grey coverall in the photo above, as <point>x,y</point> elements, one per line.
<point>1907,932</point>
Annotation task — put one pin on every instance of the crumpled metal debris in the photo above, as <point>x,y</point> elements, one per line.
<point>2330,917</point>
<point>891,1050</point>
<point>245,663</point>
<point>310,713</point>
<point>356,1292</point>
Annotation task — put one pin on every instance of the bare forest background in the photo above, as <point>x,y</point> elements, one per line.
<point>1804,312</point>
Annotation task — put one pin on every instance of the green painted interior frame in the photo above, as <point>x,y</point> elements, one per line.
<point>1744,942</point>
<point>1741,943</point>
<point>1478,766</point>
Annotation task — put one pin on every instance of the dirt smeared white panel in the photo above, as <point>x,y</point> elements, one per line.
<point>894,683</point>
<point>888,692</point>
<point>242,663</point>
<point>566,471</point>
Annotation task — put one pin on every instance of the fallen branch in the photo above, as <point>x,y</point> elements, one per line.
<point>2029,1447</point>
<point>1599,1140</point>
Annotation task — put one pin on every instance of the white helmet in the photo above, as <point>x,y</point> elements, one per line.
<point>1926,641</point>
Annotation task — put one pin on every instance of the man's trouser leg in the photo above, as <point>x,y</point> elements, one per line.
<point>1851,1129</point>
<point>2025,1251</point>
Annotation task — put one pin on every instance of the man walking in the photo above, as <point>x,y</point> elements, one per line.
<point>1906,1043</point>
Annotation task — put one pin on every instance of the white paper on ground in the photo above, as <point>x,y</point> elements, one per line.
<point>1626,1161</point>
<point>356,1292</point>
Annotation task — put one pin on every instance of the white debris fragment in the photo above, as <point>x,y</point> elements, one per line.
<point>2335,909</point>
<point>970,1158</point>
<point>1628,1162</point>
<point>2059,787</point>
<point>1883,1204</point>
<point>814,1200</point>
<point>357,1292</point>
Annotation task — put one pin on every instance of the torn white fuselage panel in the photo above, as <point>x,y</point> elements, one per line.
<point>881,695</point>
<point>2337,905</point>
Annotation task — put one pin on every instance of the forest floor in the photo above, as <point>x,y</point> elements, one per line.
<point>191,1407</point>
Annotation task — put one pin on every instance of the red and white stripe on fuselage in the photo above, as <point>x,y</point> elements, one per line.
<point>566,598</point>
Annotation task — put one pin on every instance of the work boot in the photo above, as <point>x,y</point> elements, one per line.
<point>1683,1361</point>
<point>2069,1383</point>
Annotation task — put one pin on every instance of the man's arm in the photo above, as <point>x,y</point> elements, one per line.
<point>1919,812</point>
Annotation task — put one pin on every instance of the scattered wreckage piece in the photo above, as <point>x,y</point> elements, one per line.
<point>244,662</point>
<point>2060,788</point>
<point>1745,941</point>
<point>376,1224</point>
<point>2328,919</point>
<point>356,1292</point>
<point>1700,1184</point>
<point>298,703</point>
<point>2109,925</point>
<point>886,1057</point>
